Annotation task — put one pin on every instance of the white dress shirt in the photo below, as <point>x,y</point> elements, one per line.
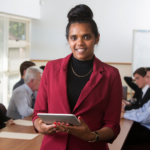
<point>144,90</point>
<point>20,103</point>
<point>141,115</point>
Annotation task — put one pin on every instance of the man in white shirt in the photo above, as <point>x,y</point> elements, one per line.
<point>142,90</point>
<point>21,102</point>
<point>140,131</point>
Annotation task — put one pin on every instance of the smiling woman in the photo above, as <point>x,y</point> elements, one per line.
<point>82,85</point>
<point>82,41</point>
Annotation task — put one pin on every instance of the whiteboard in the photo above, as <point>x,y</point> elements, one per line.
<point>141,49</point>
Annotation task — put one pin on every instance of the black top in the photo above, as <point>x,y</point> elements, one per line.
<point>3,118</point>
<point>19,83</point>
<point>75,84</point>
<point>138,94</point>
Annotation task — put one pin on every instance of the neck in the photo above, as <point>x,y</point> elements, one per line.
<point>144,86</point>
<point>23,76</point>
<point>30,86</point>
<point>79,63</point>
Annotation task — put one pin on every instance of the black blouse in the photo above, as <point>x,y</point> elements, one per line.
<point>75,84</point>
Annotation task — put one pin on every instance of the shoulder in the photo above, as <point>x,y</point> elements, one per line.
<point>109,68</point>
<point>20,91</point>
<point>19,83</point>
<point>106,68</point>
<point>58,63</point>
<point>55,62</point>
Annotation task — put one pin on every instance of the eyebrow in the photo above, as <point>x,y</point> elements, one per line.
<point>82,35</point>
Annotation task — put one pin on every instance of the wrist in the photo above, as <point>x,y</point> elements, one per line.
<point>94,137</point>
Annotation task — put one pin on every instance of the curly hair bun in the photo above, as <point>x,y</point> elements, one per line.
<point>80,11</point>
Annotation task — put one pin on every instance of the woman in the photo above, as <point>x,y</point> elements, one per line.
<point>82,85</point>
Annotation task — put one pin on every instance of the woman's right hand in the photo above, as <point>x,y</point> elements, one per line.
<point>44,128</point>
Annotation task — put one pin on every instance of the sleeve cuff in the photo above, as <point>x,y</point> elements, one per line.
<point>33,119</point>
<point>116,130</point>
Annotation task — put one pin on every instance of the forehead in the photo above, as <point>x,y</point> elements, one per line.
<point>137,76</point>
<point>80,28</point>
<point>148,73</point>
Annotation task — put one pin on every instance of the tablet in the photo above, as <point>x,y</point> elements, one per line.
<point>50,118</point>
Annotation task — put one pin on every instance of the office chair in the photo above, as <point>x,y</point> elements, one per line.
<point>124,89</point>
<point>3,108</point>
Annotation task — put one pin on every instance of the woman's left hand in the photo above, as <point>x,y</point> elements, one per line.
<point>82,131</point>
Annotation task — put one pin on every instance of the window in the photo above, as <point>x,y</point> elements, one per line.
<point>14,49</point>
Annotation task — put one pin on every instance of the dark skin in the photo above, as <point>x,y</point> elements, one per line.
<point>82,41</point>
<point>82,131</point>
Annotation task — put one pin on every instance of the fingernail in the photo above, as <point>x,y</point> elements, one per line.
<point>55,123</point>
<point>79,118</point>
<point>67,124</point>
<point>54,126</point>
<point>58,123</point>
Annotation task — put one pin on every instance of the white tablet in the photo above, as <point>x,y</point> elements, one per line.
<point>50,118</point>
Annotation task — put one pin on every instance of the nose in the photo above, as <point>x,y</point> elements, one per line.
<point>80,42</point>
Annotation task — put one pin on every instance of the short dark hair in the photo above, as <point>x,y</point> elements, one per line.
<point>42,67</point>
<point>25,65</point>
<point>147,69</point>
<point>81,14</point>
<point>141,71</point>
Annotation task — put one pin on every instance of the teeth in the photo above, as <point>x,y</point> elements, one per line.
<point>80,50</point>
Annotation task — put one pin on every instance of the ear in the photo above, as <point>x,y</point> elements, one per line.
<point>24,72</point>
<point>32,80</point>
<point>97,39</point>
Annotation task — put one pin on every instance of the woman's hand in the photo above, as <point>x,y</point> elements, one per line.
<point>44,128</point>
<point>10,122</point>
<point>82,131</point>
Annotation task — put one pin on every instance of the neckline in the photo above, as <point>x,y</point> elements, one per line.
<point>79,63</point>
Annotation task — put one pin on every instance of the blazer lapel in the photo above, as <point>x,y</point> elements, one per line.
<point>146,94</point>
<point>62,81</point>
<point>96,76</point>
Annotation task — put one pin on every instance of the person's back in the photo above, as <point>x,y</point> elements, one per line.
<point>19,83</point>
<point>21,96</point>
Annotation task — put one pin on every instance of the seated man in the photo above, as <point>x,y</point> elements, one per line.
<point>21,102</point>
<point>25,65</point>
<point>142,90</point>
<point>140,131</point>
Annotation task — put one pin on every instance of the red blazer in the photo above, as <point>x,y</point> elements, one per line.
<point>99,103</point>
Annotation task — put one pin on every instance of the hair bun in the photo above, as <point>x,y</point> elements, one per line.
<point>80,11</point>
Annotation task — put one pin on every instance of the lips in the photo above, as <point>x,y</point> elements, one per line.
<point>80,50</point>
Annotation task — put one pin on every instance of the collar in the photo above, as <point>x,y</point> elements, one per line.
<point>28,90</point>
<point>22,80</point>
<point>145,89</point>
<point>97,64</point>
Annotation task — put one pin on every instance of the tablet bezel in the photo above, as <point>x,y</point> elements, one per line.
<point>50,118</point>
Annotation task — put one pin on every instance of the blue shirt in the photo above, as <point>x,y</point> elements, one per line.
<point>141,115</point>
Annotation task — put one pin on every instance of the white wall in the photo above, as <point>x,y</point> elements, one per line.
<point>25,8</point>
<point>116,20</point>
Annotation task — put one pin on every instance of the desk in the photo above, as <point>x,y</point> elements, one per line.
<point>15,144</point>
